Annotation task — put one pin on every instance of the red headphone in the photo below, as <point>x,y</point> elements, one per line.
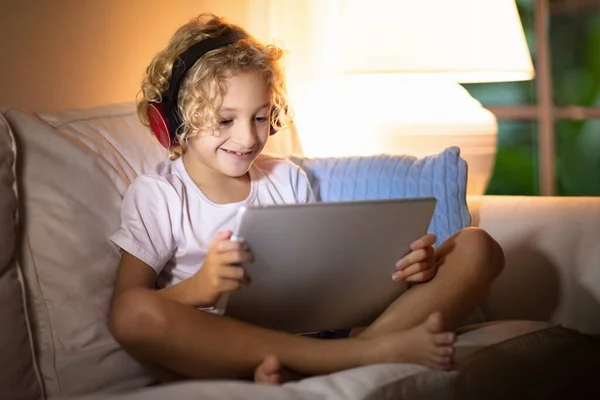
<point>165,117</point>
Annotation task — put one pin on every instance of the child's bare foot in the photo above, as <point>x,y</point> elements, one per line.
<point>271,372</point>
<point>428,344</point>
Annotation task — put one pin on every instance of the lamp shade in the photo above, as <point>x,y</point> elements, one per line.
<point>467,41</point>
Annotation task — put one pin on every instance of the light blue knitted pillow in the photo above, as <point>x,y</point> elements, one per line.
<point>443,176</point>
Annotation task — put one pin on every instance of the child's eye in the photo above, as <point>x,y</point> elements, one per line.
<point>225,123</point>
<point>261,119</point>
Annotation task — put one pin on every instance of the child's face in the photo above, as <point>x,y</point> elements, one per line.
<point>243,131</point>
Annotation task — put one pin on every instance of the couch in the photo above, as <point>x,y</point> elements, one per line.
<point>62,177</point>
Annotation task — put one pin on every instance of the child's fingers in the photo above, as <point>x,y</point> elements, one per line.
<point>219,237</point>
<point>423,276</point>
<point>235,273</point>
<point>226,246</point>
<point>414,257</point>
<point>229,285</point>
<point>423,268</point>
<point>236,256</point>
<point>422,242</point>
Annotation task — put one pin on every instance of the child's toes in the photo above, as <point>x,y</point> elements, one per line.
<point>440,362</point>
<point>443,351</point>
<point>269,371</point>
<point>445,338</point>
<point>274,379</point>
<point>446,363</point>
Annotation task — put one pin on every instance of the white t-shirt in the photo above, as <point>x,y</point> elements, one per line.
<point>167,222</point>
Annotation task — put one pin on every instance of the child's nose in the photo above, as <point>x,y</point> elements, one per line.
<point>246,136</point>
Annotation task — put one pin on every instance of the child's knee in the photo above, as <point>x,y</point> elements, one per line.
<point>482,248</point>
<point>134,315</point>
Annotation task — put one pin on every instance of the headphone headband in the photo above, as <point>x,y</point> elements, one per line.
<point>164,117</point>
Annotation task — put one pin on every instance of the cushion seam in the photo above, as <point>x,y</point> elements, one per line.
<point>17,264</point>
<point>62,124</point>
<point>36,368</point>
<point>45,310</point>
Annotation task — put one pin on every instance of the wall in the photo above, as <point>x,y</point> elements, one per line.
<point>64,54</point>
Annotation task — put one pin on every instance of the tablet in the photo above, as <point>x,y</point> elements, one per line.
<point>322,266</point>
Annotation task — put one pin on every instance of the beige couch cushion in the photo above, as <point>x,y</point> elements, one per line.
<point>375,382</point>
<point>75,168</point>
<point>552,249</point>
<point>17,377</point>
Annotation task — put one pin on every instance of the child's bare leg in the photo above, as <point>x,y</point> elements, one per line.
<point>196,344</point>
<point>468,264</point>
<point>433,344</point>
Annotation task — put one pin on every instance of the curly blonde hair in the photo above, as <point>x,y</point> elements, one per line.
<point>203,88</point>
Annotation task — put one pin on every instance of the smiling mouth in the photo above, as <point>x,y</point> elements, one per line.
<point>239,153</point>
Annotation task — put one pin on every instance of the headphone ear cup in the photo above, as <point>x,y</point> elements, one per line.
<point>159,125</point>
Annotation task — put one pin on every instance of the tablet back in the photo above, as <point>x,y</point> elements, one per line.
<point>323,266</point>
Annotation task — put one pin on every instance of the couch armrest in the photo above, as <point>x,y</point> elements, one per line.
<point>552,249</point>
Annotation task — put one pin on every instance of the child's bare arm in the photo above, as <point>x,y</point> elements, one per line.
<point>219,274</point>
<point>133,273</point>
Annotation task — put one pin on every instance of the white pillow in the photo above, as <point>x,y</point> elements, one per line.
<point>75,167</point>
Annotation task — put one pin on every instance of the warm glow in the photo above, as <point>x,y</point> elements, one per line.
<point>464,40</point>
<point>382,76</point>
<point>389,114</point>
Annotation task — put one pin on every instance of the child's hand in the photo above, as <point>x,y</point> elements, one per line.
<point>419,265</point>
<point>221,272</point>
